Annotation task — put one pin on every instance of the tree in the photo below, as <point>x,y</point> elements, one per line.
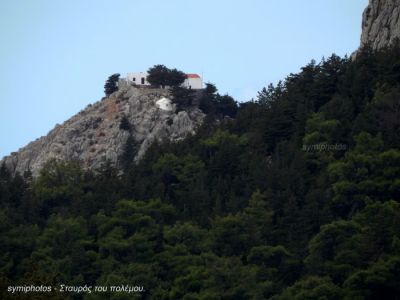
<point>161,76</point>
<point>157,75</point>
<point>366,173</point>
<point>129,151</point>
<point>258,216</point>
<point>111,85</point>
<point>382,115</point>
<point>175,77</point>
<point>207,101</point>
<point>312,288</point>
<point>63,247</point>
<point>379,281</point>
<point>270,94</point>
<point>182,97</point>
<point>59,184</point>
<point>124,124</point>
<point>226,106</point>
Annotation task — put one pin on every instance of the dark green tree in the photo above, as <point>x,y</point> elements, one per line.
<point>125,124</point>
<point>182,97</point>
<point>161,76</point>
<point>226,106</point>
<point>111,84</point>
<point>129,152</point>
<point>157,75</point>
<point>175,78</point>
<point>207,101</point>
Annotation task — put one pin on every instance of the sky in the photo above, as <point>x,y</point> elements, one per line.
<point>55,55</point>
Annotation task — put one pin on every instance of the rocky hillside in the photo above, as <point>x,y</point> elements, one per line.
<point>381,23</point>
<point>95,134</point>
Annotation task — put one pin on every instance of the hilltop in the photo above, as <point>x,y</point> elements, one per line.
<point>95,136</point>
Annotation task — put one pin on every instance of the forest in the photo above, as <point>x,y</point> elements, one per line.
<point>292,195</point>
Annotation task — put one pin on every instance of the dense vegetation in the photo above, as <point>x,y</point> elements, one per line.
<point>294,195</point>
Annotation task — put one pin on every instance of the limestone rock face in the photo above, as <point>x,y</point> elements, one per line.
<point>381,23</point>
<point>94,135</point>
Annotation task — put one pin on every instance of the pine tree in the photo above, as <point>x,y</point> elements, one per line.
<point>111,85</point>
<point>129,152</point>
<point>124,124</point>
<point>161,76</point>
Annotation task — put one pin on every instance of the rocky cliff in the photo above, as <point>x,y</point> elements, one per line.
<point>381,23</point>
<point>95,134</point>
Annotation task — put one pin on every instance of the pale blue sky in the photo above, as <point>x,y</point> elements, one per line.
<point>55,55</point>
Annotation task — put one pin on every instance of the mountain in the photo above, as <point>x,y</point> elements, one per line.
<point>295,196</point>
<point>380,23</point>
<point>96,134</point>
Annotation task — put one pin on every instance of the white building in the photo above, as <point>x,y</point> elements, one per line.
<point>137,78</point>
<point>192,81</point>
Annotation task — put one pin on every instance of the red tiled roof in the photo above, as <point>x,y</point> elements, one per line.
<point>192,76</point>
